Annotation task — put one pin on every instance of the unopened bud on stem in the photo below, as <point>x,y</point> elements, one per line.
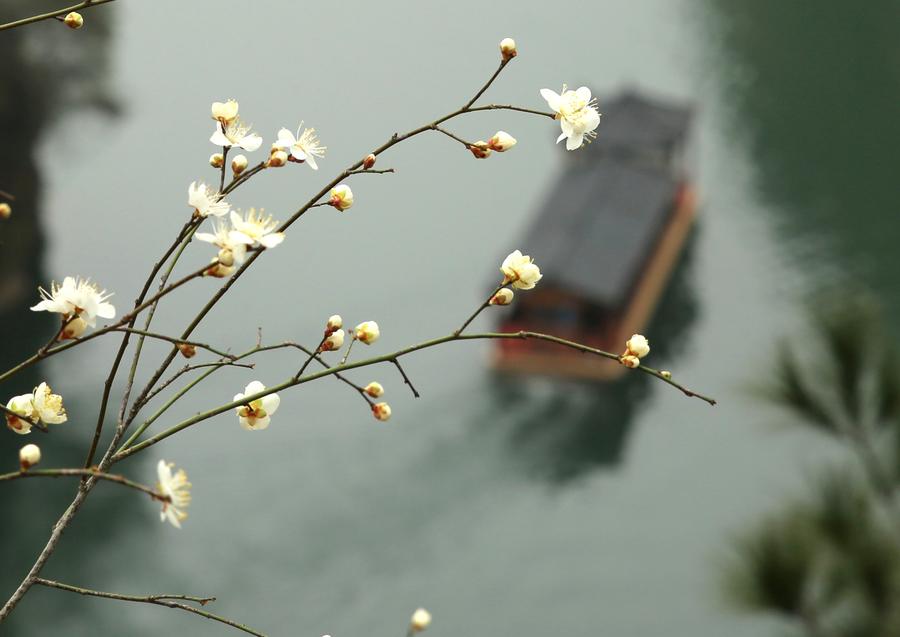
<point>504,296</point>
<point>187,350</point>
<point>5,210</point>
<point>74,20</point>
<point>508,49</point>
<point>277,159</point>
<point>369,161</point>
<point>216,160</point>
<point>239,164</point>
<point>29,455</point>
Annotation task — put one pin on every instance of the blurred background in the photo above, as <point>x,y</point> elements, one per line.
<point>503,506</point>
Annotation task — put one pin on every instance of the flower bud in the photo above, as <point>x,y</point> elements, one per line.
<point>218,270</point>
<point>629,360</point>
<point>74,20</point>
<point>187,350</point>
<point>381,411</point>
<point>480,150</point>
<point>504,296</point>
<point>73,328</point>
<point>501,141</point>
<point>374,389</point>
<point>224,112</point>
<point>367,332</point>
<point>278,159</point>
<point>421,619</point>
<point>239,164</point>
<point>216,160</point>
<point>335,322</point>
<point>666,374</point>
<point>5,211</point>
<point>334,341</point>
<point>341,197</point>
<point>226,257</point>
<point>29,455</point>
<point>638,346</point>
<point>508,49</point>
<point>369,161</point>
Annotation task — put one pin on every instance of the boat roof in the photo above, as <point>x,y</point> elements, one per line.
<point>598,226</point>
<point>633,119</point>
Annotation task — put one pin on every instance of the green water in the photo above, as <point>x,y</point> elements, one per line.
<point>506,510</point>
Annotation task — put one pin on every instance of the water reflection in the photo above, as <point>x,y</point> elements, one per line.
<point>812,90</point>
<point>42,78</point>
<point>565,430</point>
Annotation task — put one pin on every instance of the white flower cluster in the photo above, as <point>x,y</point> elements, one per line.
<point>636,348</point>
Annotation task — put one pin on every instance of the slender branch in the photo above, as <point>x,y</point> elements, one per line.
<point>158,600</point>
<point>405,377</point>
<point>389,358</point>
<point>481,307</point>
<point>130,319</point>
<point>225,150</point>
<point>7,195</point>
<point>452,136</point>
<point>110,477</point>
<point>176,341</point>
<point>87,4</point>
<point>312,355</point>
<point>189,368</point>
<point>370,171</point>
<point>509,107</point>
<point>487,84</point>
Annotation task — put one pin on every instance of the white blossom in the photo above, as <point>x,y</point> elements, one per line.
<point>520,271</point>
<point>228,240</point>
<point>638,346</point>
<point>177,488</point>
<point>256,414</point>
<point>76,296</point>
<point>341,197</point>
<point>577,114</point>
<point>224,111</point>
<point>236,133</point>
<point>48,406</point>
<point>256,228</point>
<point>206,201</point>
<point>303,147</point>
<point>335,322</point>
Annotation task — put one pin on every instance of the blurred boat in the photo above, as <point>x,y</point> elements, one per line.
<point>607,240</point>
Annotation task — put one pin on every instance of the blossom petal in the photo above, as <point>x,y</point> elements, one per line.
<point>561,137</point>
<point>272,240</point>
<point>575,141</point>
<point>552,97</point>
<point>218,137</point>
<point>251,142</point>
<point>584,93</point>
<point>270,403</point>
<point>285,139</point>
<point>106,310</point>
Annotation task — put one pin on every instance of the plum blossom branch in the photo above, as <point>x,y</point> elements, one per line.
<point>452,136</point>
<point>53,14</point>
<point>389,358</point>
<point>59,473</point>
<point>176,341</point>
<point>159,600</point>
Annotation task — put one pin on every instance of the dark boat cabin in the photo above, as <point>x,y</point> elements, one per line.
<point>606,239</point>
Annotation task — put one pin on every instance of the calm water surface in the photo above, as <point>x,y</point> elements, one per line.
<point>530,510</point>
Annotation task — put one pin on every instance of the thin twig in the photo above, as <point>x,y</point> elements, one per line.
<point>158,600</point>
<point>452,136</point>
<point>405,377</point>
<point>370,171</point>
<point>480,308</point>
<point>59,473</point>
<point>87,4</point>
<point>176,341</point>
<point>487,84</point>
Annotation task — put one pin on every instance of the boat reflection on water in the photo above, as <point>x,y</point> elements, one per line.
<point>567,428</point>
<point>626,207</point>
